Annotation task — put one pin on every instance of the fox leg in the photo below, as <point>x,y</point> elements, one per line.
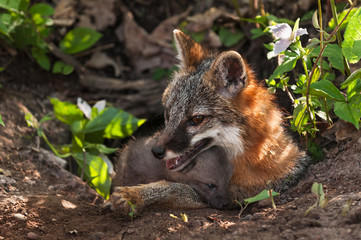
<point>161,194</point>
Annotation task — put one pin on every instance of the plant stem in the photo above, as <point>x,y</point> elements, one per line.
<point>84,164</point>
<point>321,32</point>
<point>338,35</point>
<point>326,110</point>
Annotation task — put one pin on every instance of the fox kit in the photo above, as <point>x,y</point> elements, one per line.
<point>215,100</point>
<point>208,174</point>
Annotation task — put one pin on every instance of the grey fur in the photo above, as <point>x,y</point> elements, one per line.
<point>209,174</point>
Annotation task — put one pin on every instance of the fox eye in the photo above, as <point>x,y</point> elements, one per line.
<point>211,185</point>
<point>196,120</point>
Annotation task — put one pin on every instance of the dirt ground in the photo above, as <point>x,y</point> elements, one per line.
<point>40,200</point>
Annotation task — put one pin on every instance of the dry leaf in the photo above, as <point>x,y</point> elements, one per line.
<point>101,60</point>
<point>203,21</point>
<point>148,51</point>
<point>64,13</point>
<point>101,11</point>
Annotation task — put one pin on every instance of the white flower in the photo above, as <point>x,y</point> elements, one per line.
<point>286,36</point>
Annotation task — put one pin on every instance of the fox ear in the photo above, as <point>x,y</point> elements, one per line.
<point>190,53</point>
<point>229,73</point>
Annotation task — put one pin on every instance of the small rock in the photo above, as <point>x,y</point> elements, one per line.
<point>19,216</point>
<point>97,236</point>
<point>32,235</point>
<point>248,217</point>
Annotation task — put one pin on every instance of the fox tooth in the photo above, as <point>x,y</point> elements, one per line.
<point>177,162</point>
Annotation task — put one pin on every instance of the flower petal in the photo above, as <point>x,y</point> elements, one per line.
<point>281,45</point>
<point>281,31</point>
<point>100,105</point>
<point>300,32</point>
<point>84,107</point>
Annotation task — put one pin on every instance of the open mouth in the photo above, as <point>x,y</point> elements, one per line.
<point>175,163</point>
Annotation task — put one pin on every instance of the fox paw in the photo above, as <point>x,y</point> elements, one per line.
<point>124,201</point>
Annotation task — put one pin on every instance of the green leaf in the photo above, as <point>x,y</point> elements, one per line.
<point>325,88</point>
<point>1,121</point>
<point>66,111</point>
<point>96,171</point>
<point>63,68</point>
<point>229,37</point>
<point>315,20</point>
<point>257,32</point>
<point>315,151</point>
<point>354,76</point>
<point>300,117</point>
<point>334,54</point>
<point>104,149</point>
<point>353,89</point>
<point>340,16</point>
<point>262,195</point>
<point>42,9</point>
<point>288,64</point>
<point>351,46</point>
<point>14,5</point>
<point>123,125</point>
<point>79,39</point>
<point>350,112</point>
<point>101,121</point>
<point>41,58</point>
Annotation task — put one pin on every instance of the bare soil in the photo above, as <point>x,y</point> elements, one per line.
<point>40,200</point>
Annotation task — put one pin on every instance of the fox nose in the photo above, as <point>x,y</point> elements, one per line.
<point>158,152</point>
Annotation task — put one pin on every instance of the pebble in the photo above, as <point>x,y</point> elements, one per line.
<point>32,235</point>
<point>19,216</point>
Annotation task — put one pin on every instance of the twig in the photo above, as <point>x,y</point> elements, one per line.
<point>94,50</point>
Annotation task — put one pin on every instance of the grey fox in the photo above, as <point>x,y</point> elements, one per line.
<point>208,174</point>
<point>215,100</point>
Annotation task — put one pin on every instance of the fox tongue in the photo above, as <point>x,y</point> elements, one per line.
<point>172,163</point>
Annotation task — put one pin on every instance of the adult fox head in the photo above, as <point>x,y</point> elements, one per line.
<point>201,104</point>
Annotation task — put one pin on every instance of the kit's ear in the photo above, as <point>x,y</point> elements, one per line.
<point>229,73</point>
<point>190,53</point>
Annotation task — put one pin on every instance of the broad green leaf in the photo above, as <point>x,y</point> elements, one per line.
<point>333,53</point>
<point>351,46</point>
<point>42,9</point>
<point>96,171</point>
<point>101,121</point>
<point>123,125</point>
<point>354,76</point>
<point>63,68</point>
<point>288,64</point>
<point>41,58</point>
<point>325,88</point>
<point>340,16</point>
<point>66,111</point>
<point>353,89</point>
<point>229,37</point>
<point>14,5</point>
<point>1,121</point>
<point>350,112</point>
<point>262,195</point>
<point>79,39</point>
